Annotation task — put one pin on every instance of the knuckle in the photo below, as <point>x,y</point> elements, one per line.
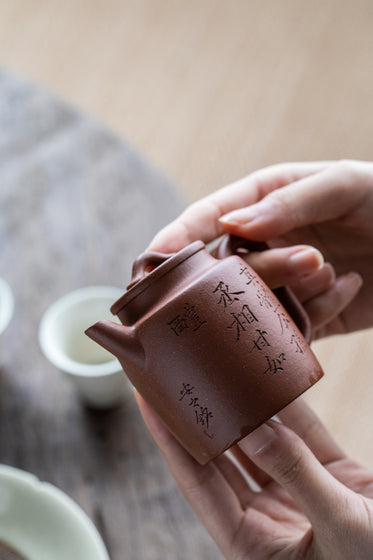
<point>289,469</point>
<point>279,201</point>
<point>313,430</point>
<point>282,202</point>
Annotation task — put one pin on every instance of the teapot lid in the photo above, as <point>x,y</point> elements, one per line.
<point>141,279</point>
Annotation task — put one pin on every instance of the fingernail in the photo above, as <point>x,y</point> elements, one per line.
<point>309,259</point>
<point>256,442</point>
<point>355,280</point>
<point>239,217</point>
<point>321,280</point>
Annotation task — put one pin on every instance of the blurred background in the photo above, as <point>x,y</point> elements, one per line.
<point>209,90</point>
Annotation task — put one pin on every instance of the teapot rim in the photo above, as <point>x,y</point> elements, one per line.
<point>174,260</point>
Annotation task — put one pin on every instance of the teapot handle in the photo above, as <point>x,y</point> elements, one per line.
<point>233,245</point>
<point>143,263</point>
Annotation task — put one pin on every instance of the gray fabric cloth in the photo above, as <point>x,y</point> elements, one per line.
<point>68,181</point>
<point>77,205</point>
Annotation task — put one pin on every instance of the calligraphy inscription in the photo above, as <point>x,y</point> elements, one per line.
<point>274,365</point>
<point>242,320</point>
<point>202,414</point>
<point>226,296</point>
<point>189,318</point>
<point>245,320</point>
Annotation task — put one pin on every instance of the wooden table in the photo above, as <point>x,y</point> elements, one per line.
<point>76,207</point>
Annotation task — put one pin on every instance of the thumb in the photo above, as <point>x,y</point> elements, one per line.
<point>284,456</point>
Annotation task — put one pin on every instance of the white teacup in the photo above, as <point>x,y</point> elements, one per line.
<point>6,307</point>
<point>39,521</point>
<point>97,374</point>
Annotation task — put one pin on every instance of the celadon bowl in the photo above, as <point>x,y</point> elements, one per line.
<point>40,522</point>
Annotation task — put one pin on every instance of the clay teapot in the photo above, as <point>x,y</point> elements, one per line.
<point>208,345</point>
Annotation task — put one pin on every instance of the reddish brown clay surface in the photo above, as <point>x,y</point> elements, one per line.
<point>209,346</point>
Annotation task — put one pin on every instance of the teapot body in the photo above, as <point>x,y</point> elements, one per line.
<point>221,354</point>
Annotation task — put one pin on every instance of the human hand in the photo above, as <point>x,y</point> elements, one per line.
<point>325,205</point>
<point>311,501</point>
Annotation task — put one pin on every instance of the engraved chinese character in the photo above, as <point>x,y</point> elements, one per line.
<point>297,342</point>
<point>203,416</point>
<point>283,319</point>
<point>192,317</point>
<point>178,324</point>
<point>242,320</point>
<point>261,340</point>
<point>264,296</point>
<point>249,275</point>
<point>186,390</point>
<point>275,364</point>
<point>188,319</point>
<point>227,297</point>
<point>194,401</point>
<point>202,413</point>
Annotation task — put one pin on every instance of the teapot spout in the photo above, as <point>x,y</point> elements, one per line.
<point>120,340</point>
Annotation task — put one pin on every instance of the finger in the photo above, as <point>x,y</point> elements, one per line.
<point>201,219</point>
<point>205,487</point>
<point>328,306</point>
<point>279,267</point>
<point>217,492</point>
<point>303,421</point>
<point>236,477</point>
<point>253,472</point>
<point>286,458</point>
<point>330,194</point>
<point>314,284</point>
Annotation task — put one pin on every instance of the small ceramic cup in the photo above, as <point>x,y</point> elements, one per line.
<point>6,308</point>
<point>96,374</point>
<point>37,520</point>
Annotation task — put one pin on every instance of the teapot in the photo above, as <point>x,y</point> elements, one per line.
<point>208,345</point>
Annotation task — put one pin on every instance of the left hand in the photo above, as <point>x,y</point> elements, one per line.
<point>312,502</point>
<point>300,266</point>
